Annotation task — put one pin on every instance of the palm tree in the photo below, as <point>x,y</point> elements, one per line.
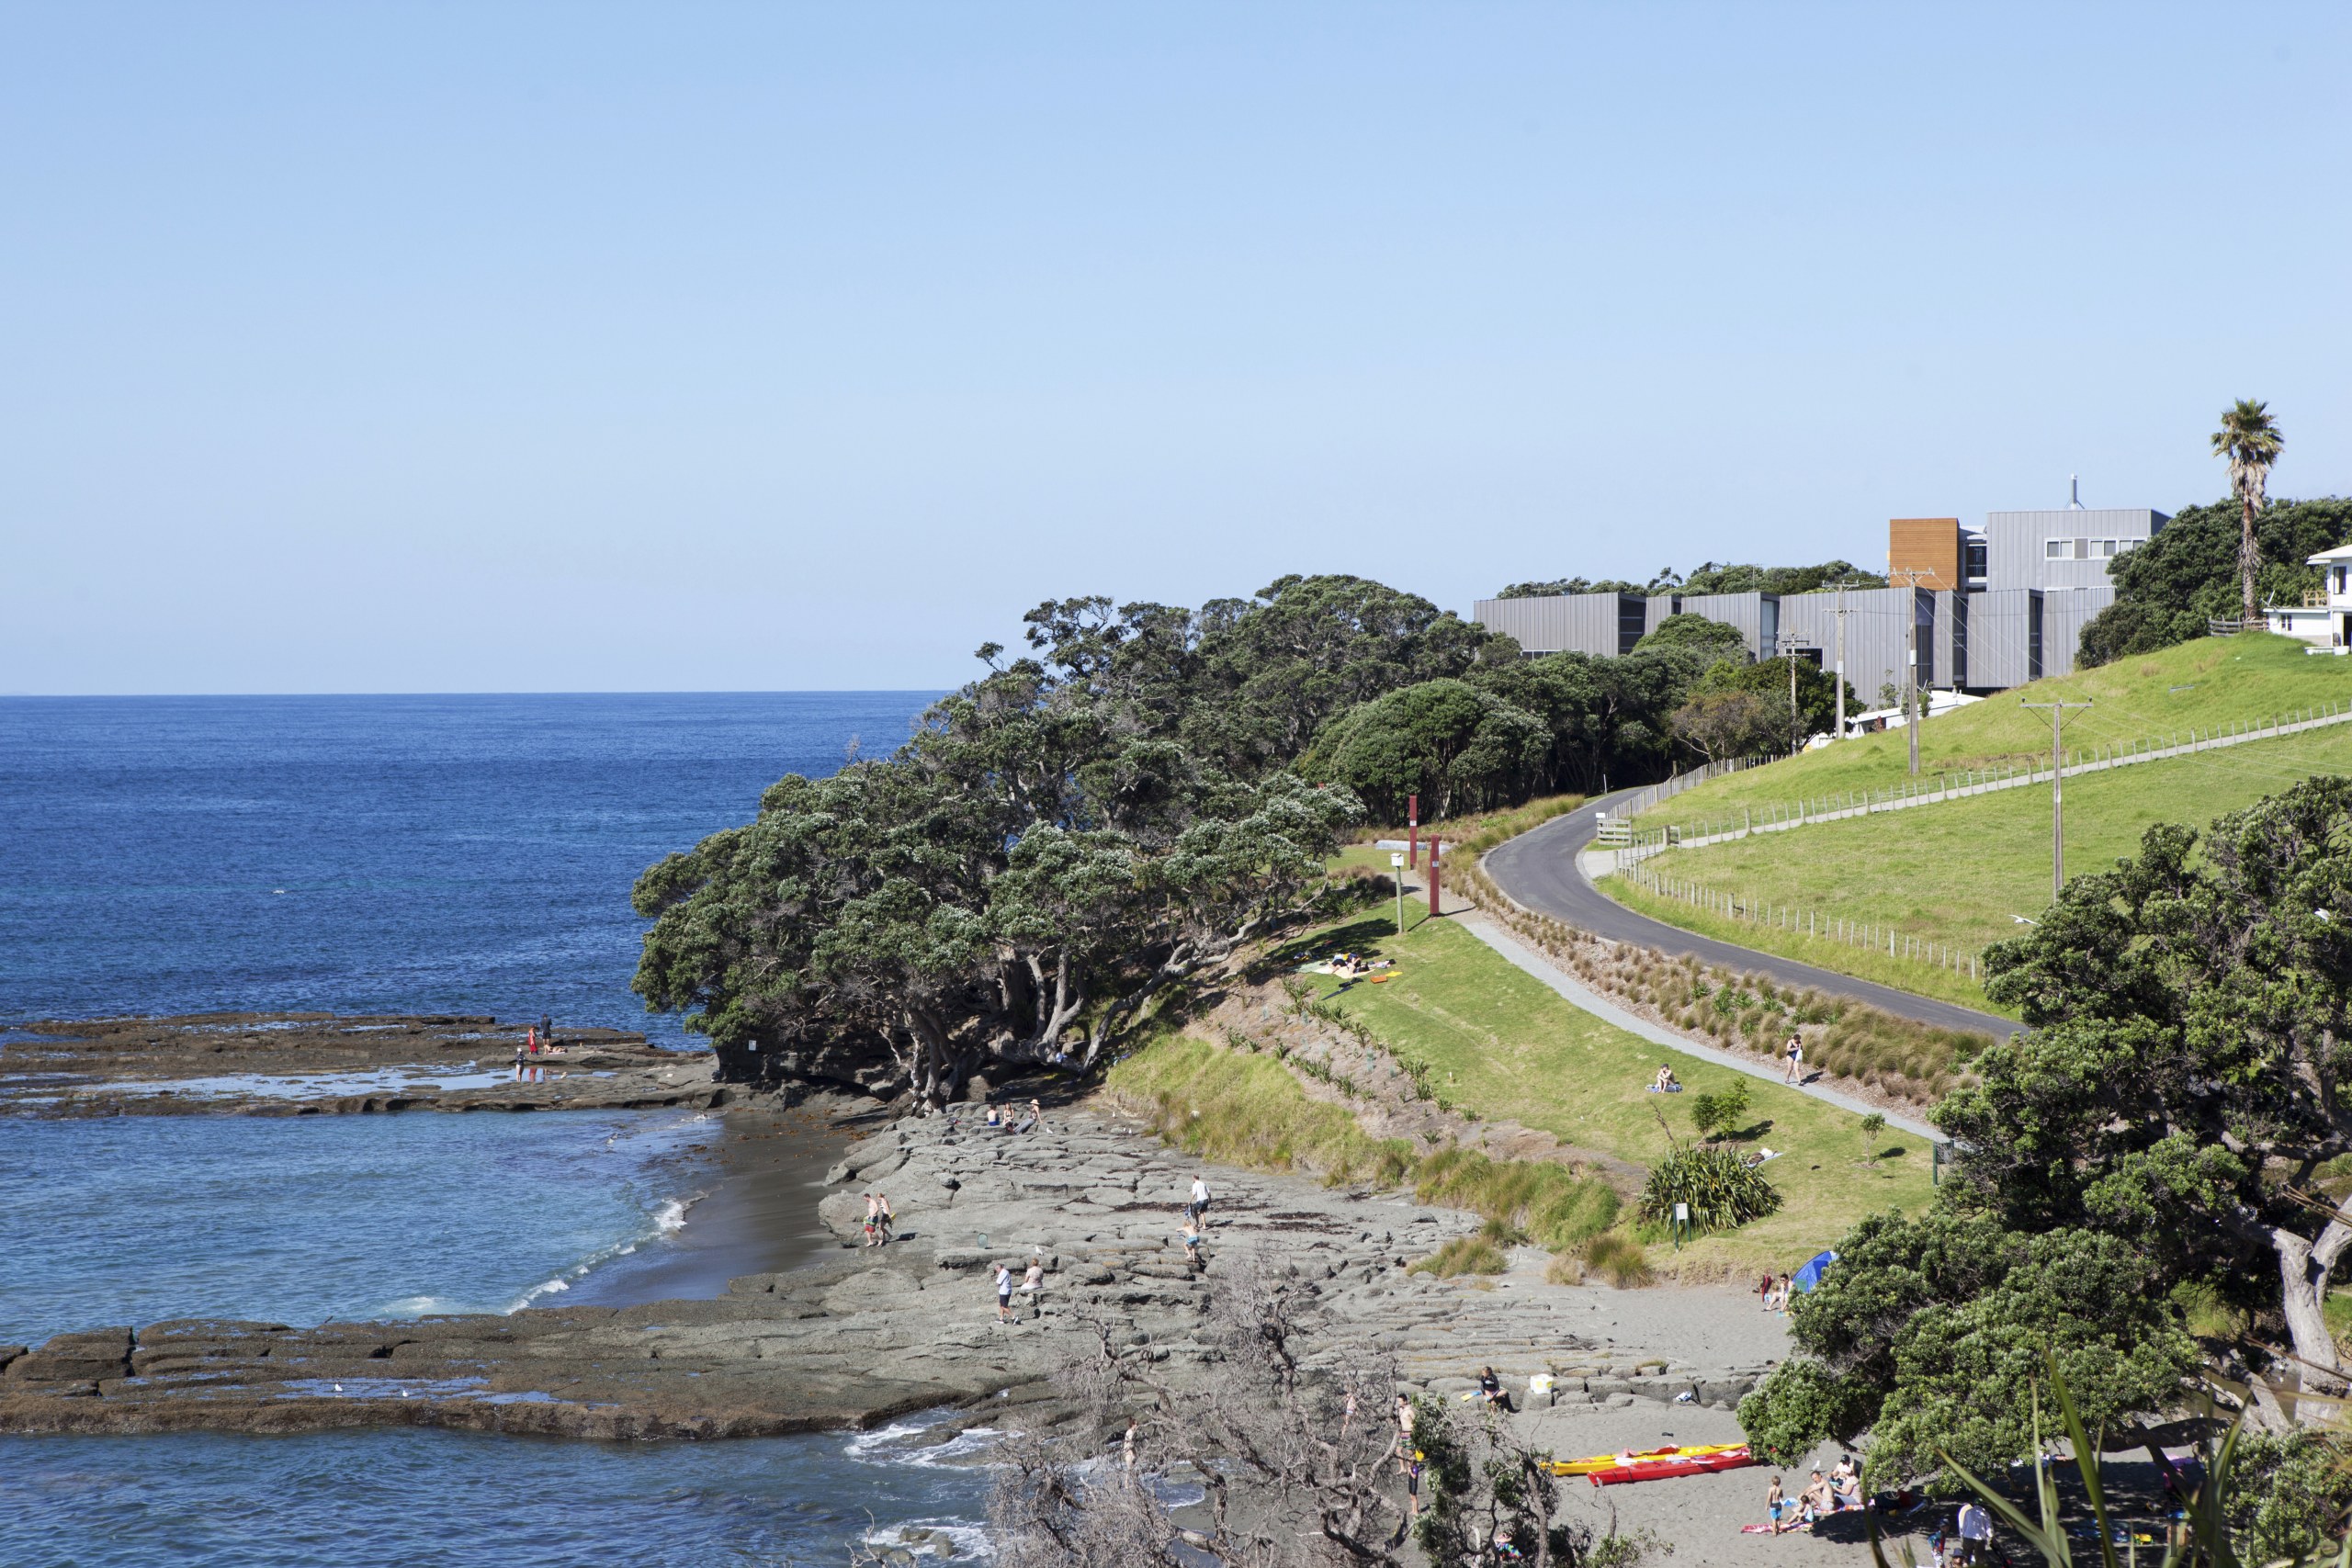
<point>2252,443</point>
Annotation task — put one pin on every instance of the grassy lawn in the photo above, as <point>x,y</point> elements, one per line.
<point>1903,973</point>
<point>2209,683</point>
<point>1958,872</point>
<point>1500,1043</point>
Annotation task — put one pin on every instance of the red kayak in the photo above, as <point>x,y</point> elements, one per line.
<point>1668,1469</point>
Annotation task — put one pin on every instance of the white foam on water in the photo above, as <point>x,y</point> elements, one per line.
<point>544,1288</point>
<point>964,1540</point>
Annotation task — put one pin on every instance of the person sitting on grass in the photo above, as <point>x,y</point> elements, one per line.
<point>1666,1082</point>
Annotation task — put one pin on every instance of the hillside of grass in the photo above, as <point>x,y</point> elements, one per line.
<point>1497,1042</point>
<point>2210,683</point>
<point>1959,872</point>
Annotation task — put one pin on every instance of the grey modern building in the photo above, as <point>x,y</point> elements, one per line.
<point>1990,608</point>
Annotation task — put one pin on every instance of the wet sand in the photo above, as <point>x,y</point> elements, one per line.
<point>758,1215</point>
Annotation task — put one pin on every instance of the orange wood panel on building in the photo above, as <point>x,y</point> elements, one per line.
<point>1929,545</point>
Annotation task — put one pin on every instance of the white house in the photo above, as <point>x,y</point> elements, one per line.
<point>2327,624</point>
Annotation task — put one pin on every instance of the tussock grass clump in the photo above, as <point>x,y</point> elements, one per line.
<point>1915,1061</point>
<point>1624,1261</point>
<point>1248,1111</point>
<point>1463,1254</point>
<point>1551,1204</point>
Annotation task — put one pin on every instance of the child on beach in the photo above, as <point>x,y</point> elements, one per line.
<point>1776,1502</point>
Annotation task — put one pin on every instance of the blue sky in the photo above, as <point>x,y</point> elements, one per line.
<point>573,347</point>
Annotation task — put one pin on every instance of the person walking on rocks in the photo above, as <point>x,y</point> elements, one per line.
<point>885,1217</point>
<point>1003,1292</point>
<point>1199,1207</point>
<point>1794,1052</point>
<point>1127,1446</point>
<point>1191,1234</point>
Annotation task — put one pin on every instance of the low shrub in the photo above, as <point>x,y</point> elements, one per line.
<point>1721,1188</point>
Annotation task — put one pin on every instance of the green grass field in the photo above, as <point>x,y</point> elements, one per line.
<point>2210,683</point>
<point>1498,1043</point>
<point>1959,871</point>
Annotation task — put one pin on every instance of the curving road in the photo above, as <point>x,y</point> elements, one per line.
<point>1542,870</point>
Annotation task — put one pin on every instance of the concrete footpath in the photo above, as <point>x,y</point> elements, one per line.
<point>1543,969</point>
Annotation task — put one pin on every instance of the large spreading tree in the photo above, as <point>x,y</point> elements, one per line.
<point>2177,1112</point>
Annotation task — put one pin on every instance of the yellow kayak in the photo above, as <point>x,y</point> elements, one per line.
<point>1599,1462</point>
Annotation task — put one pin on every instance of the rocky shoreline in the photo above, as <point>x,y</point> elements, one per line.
<point>865,1336</point>
<point>315,1063</point>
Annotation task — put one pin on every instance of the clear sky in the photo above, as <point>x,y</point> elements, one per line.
<point>470,346</point>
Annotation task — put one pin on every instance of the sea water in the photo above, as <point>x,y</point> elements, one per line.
<point>393,854</point>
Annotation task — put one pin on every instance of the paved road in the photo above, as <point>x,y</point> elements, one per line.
<point>1540,869</point>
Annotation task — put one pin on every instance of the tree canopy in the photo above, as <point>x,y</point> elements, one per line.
<point>1712,577</point>
<point>2188,573</point>
<point>1459,748</point>
<point>1060,839</point>
<point>1696,637</point>
<point>2174,1114</point>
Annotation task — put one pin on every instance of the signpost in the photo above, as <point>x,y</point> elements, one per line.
<point>1397,865</point>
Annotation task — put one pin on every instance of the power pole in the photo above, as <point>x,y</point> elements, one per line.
<point>2057,797</point>
<point>1841,664</point>
<point>1796,730</point>
<point>1910,578</point>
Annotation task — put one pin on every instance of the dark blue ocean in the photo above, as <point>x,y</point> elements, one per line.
<point>396,854</point>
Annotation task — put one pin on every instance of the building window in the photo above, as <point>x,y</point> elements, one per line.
<point>1975,560</point>
<point>2103,549</point>
<point>2057,550</point>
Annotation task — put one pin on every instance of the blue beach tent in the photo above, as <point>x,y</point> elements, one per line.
<point>1810,1275</point>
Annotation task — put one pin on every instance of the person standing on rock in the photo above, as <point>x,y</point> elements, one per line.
<point>1034,1282</point>
<point>547,1029</point>
<point>885,1217</point>
<point>873,1219</point>
<point>1003,1292</point>
<point>1199,1207</point>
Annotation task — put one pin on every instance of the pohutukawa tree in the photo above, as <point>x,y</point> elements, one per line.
<point>2186,1081</point>
<point>2251,441</point>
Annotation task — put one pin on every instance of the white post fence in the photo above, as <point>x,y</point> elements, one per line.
<point>1808,923</point>
<point>1775,817</point>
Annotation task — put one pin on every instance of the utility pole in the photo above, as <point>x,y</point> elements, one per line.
<point>2057,797</point>
<point>1796,730</point>
<point>1910,578</point>
<point>1841,664</point>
